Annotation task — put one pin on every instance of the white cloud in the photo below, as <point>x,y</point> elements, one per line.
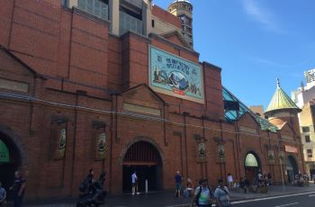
<point>262,15</point>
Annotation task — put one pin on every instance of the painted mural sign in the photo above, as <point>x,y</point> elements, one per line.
<point>175,76</point>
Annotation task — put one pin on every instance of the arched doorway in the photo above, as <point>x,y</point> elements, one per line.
<point>252,166</point>
<point>292,168</point>
<point>10,160</point>
<point>145,159</point>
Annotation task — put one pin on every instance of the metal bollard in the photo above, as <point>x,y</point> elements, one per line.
<point>146,186</point>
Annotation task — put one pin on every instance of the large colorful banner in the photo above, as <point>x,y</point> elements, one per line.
<point>175,76</point>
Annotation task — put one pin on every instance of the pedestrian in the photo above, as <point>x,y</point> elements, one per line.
<point>178,182</point>
<point>242,184</point>
<point>230,181</point>
<point>3,194</point>
<point>87,182</point>
<point>189,187</point>
<point>134,182</point>
<point>222,195</point>
<point>102,179</point>
<point>89,178</point>
<point>203,196</point>
<point>269,179</point>
<point>18,189</point>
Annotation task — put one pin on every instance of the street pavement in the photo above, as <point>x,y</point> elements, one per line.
<point>295,200</point>
<point>278,196</point>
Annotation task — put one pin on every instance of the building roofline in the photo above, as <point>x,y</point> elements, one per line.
<point>211,65</point>
<point>159,37</point>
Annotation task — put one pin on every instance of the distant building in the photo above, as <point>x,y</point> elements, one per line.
<point>304,97</point>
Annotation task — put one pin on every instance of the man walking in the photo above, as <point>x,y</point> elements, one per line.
<point>134,182</point>
<point>18,189</point>
<point>178,182</point>
<point>222,195</point>
<point>203,195</point>
<point>230,181</point>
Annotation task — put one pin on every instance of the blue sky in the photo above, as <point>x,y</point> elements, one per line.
<point>255,42</point>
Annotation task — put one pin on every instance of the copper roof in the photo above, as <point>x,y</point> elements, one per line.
<point>281,100</point>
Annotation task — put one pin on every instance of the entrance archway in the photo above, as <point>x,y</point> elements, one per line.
<point>292,168</point>
<point>252,166</point>
<point>10,160</point>
<point>145,159</point>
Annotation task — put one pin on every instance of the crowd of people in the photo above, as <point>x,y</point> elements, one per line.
<point>203,195</point>
<point>93,193</point>
<point>301,180</point>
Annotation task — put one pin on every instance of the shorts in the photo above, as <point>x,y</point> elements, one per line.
<point>178,186</point>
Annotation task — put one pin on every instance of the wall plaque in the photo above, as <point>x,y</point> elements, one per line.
<point>101,146</point>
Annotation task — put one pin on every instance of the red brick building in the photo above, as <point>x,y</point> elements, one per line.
<point>117,86</point>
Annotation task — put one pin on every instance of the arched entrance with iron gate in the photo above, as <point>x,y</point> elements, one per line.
<point>292,168</point>
<point>252,166</point>
<point>145,159</point>
<point>10,160</point>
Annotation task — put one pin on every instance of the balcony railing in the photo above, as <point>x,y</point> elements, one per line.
<point>130,23</point>
<point>94,7</point>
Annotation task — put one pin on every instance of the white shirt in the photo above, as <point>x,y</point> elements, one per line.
<point>134,178</point>
<point>230,179</point>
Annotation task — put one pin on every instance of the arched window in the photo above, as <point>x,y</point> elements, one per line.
<point>4,153</point>
<point>251,160</point>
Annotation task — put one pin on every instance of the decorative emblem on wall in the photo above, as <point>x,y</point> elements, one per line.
<point>221,152</point>
<point>271,156</point>
<point>62,142</point>
<point>202,151</point>
<point>101,146</point>
<point>201,148</point>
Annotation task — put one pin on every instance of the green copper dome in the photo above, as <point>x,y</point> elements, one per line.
<point>281,100</point>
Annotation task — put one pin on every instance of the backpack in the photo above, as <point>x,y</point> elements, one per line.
<point>199,193</point>
<point>227,194</point>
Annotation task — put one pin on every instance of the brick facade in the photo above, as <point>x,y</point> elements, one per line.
<point>80,76</point>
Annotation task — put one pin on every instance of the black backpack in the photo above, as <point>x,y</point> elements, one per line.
<point>199,193</point>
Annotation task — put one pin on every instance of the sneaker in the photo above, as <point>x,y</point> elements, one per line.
<point>138,193</point>
<point>133,193</point>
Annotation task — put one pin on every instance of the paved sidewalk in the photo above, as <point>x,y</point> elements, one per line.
<point>167,199</point>
<point>273,191</point>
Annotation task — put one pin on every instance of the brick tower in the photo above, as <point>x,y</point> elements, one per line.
<point>183,10</point>
<point>282,109</point>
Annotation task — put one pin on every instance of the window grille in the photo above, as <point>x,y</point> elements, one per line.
<point>130,23</point>
<point>305,129</point>
<point>307,138</point>
<point>97,8</point>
